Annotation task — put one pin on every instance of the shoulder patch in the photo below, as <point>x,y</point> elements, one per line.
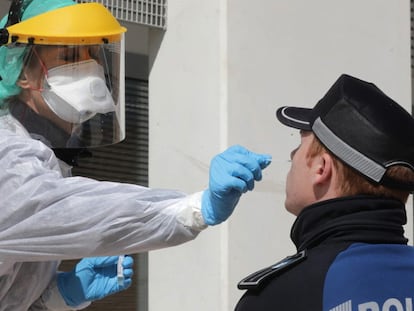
<point>256,279</point>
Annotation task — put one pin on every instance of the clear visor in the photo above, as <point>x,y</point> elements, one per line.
<point>73,96</point>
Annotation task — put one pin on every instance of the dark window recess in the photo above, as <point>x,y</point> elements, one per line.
<point>127,162</point>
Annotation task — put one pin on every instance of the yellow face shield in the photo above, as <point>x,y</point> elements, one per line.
<point>73,62</point>
<point>86,23</point>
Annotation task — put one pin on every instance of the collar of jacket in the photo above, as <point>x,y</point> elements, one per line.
<point>365,219</point>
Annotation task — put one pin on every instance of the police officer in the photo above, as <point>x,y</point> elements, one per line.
<point>348,183</point>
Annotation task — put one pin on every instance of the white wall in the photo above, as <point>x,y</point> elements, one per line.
<point>218,74</point>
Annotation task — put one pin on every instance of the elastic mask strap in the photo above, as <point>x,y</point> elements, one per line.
<point>44,69</point>
<point>42,64</point>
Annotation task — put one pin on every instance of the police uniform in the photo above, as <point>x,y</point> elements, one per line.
<point>352,256</point>
<point>352,253</point>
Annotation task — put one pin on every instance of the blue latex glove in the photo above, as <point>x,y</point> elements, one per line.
<point>232,173</point>
<point>93,278</point>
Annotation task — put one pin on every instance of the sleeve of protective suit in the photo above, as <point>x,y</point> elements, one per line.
<point>48,217</point>
<point>52,300</point>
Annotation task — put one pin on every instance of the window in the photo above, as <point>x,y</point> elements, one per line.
<point>146,12</point>
<point>126,161</point>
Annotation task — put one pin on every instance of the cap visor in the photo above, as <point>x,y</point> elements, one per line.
<point>298,118</point>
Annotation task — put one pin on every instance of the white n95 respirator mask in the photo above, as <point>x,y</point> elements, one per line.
<point>76,92</point>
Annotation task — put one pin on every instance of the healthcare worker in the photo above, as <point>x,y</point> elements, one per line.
<point>61,68</point>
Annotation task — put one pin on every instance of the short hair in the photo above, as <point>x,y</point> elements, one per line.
<point>354,183</point>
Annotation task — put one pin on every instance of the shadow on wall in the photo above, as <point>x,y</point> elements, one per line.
<point>154,45</point>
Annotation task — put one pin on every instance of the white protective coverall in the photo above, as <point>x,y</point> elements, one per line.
<point>47,216</point>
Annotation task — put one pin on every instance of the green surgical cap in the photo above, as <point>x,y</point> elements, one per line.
<point>12,56</point>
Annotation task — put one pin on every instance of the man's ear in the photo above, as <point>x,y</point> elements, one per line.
<point>323,169</point>
<point>26,93</point>
<point>23,82</point>
<point>324,177</point>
